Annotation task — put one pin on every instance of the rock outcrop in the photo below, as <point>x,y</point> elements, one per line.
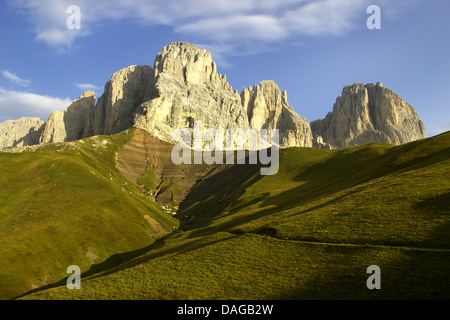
<point>184,86</point>
<point>365,114</point>
<point>187,89</point>
<point>112,113</point>
<point>20,133</point>
<point>267,108</point>
<point>68,125</point>
<point>126,90</point>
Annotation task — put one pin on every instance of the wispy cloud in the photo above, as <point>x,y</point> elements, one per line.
<point>325,17</point>
<point>86,86</point>
<point>15,79</point>
<point>258,20</point>
<point>236,28</point>
<point>220,52</point>
<point>17,104</point>
<point>236,22</point>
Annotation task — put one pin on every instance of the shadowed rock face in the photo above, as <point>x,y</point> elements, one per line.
<point>267,108</point>
<point>365,114</point>
<point>20,133</point>
<point>183,87</point>
<point>112,113</point>
<point>68,125</point>
<point>124,92</point>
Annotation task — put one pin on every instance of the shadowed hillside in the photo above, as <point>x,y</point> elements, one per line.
<point>309,231</point>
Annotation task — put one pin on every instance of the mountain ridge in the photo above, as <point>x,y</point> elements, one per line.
<point>183,86</point>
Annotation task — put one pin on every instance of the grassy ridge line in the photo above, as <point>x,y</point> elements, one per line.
<point>64,204</point>
<point>372,200</point>
<point>312,181</point>
<point>380,246</point>
<point>403,194</point>
<point>226,266</point>
<point>408,209</point>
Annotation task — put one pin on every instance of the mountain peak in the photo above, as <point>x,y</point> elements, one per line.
<point>186,62</point>
<point>184,87</point>
<point>87,94</point>
<point>366,113</point>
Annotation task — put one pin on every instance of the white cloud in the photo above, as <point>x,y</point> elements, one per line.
<point>15,79</point>
<point>245,27</point>
<point>61,39</point>
<point>246,21</point>
<point>325,17</point>
<point>86,86</point>
<point>49,21</point>
<point>240,24</point>
<point>17,104</point>
<point>220,52</point>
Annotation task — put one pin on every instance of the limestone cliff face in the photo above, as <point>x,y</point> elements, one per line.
<point>20,133</point>
<point>267,108</point>
<point>69,125</point>
<point>112,113</point>
<point>114,110</point>
<point>365,114</point>
<point>184,86</point>
<point>187,89</point>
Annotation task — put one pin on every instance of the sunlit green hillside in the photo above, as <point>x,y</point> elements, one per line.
<point>64,204</point>
<point>309,231</point>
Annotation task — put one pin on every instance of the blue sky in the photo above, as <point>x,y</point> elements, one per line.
<point>311,48</point>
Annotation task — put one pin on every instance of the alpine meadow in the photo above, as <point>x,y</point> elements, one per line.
<point>324,176</point>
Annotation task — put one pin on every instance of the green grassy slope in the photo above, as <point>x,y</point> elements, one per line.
<point>65,204</point>
<point>310,231</point>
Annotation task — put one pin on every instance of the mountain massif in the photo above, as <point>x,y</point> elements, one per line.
<point>96,188</point>
<point>183,86</point>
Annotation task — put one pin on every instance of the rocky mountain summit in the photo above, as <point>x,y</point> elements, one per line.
<point>368,113</point>
<point>184,86</point>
